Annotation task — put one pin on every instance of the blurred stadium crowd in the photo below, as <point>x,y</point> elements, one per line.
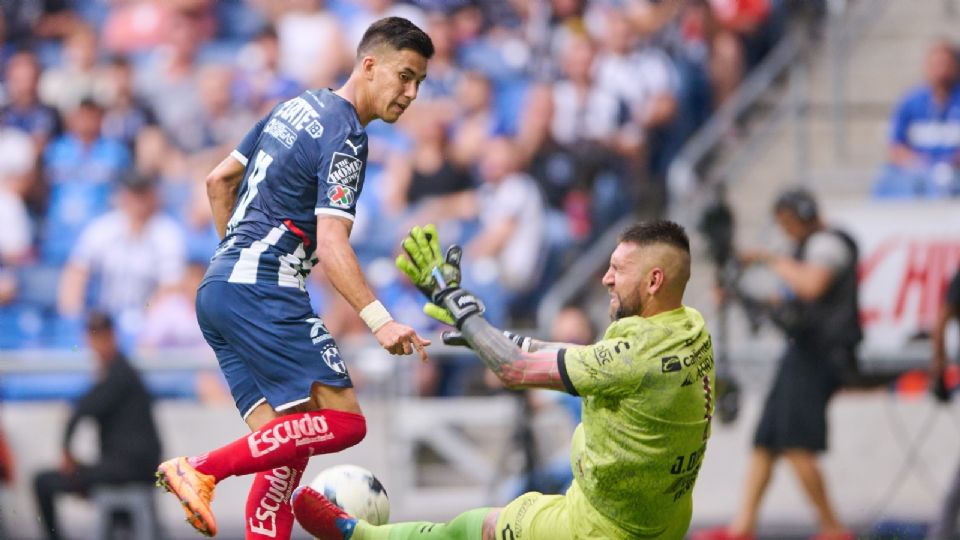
<point>541,123</point>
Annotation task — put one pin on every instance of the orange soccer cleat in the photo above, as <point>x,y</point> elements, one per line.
<point>193,488</point>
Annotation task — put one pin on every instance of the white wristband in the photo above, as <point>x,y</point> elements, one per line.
<point>375,315</point>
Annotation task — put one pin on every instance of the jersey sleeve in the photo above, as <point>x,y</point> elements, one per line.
<point>340,176</point>
<point>829,251</point>
<point>244,150</point>
<point>607,367</point>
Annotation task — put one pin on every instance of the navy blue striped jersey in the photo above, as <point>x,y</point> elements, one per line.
<point>307,157</point>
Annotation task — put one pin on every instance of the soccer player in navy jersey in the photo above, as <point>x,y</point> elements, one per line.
<point>282,201</point>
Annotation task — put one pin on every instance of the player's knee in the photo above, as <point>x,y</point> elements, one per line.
<point>357,430</point>
<point>347,428</point>
<point>318,432</point>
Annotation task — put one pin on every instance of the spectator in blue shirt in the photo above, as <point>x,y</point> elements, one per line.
<point>925,137</point>
<point>82,166</point>
<point>24,110</point>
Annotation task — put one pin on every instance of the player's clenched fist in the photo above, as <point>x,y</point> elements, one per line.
<point>399,338</point>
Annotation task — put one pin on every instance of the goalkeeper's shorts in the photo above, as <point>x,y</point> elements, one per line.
<point>535,516</point>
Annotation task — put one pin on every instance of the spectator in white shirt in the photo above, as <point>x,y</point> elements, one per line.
<point>641,76</point>
<point>137,254</point>
<point>18,159</point>
<point>511,218</point>
<point>313,48</point>
<point>586,112</point>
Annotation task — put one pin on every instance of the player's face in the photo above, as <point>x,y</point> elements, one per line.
<point>624,280</point>
<point>396,81</point>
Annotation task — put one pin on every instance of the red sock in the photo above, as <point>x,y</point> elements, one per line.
<point>269,514</point>
<point>282,441</point>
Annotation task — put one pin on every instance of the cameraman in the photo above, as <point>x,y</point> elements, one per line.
<point>819,316</point>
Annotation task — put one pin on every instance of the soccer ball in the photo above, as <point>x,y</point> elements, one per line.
<point>356,490</point>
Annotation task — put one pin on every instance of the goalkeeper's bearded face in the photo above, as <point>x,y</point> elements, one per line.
<point>624,280</point>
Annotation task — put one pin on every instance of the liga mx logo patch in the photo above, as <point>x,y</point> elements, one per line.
<point>340,196</point>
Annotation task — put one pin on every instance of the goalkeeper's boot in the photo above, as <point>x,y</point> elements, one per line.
<point>194,489</point>
<point>320,517</point>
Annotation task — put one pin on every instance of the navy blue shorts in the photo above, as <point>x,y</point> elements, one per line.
<point>269,343</point>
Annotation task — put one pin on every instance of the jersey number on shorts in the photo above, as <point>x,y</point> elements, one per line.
<point>259,172</point>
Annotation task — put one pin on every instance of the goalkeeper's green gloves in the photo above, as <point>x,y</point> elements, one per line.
<point>437,276</point>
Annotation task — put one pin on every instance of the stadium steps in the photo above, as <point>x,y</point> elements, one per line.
<point>881,66</point>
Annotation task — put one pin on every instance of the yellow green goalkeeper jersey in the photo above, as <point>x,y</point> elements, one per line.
<point>647,391</point>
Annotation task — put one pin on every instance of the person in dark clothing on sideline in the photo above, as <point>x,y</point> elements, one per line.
<point>129,442</point>
<point>818,313</point>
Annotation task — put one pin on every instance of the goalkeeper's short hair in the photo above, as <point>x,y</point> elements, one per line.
<point>660,231</point>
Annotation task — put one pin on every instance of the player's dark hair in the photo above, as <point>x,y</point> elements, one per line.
<point>658,231</point>
<point>399,34</point>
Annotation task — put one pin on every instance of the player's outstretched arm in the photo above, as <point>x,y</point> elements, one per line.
<point>514,367</point>
<point>525,343</point>
<point>222,184</point>
<point>340,264</point>
<point>500,353</point>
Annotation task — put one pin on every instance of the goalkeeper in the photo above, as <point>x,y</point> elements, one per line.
<point>647,391</point>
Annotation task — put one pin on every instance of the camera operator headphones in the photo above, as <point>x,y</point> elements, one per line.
<point>800,203</point>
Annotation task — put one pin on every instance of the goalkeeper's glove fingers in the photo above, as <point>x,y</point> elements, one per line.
<point>453,256</point>
<point>409,269</point>
<point>416,265</point>
<point>424,264</point>
<point>438,313</point>
<point>443,314</point>
<point>423,247</point>
<point>432,241</point>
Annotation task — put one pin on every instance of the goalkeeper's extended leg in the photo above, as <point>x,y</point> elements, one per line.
<point>326,521</point>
